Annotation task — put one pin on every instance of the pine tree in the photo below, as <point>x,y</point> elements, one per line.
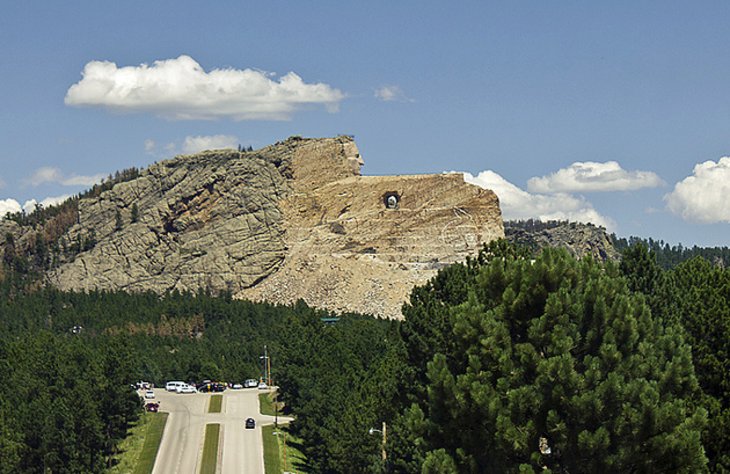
<point>118,222</point>
<point>9,251</point>
<point>135,213</point>
<point>554,365</point>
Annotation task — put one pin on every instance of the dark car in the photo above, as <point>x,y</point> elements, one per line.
<point>250,423</point>
<point>152,407</point>
<point>208,387</point>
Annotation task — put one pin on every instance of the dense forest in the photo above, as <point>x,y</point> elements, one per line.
<point>67,361</point>
<point>508,362</point>
<point>669,256</point>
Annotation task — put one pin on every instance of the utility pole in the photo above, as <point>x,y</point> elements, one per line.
<point>265,367</point>
<point>383,432</point>
<point>268,361</point>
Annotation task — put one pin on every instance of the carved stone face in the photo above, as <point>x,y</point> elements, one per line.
<point>354,160</point>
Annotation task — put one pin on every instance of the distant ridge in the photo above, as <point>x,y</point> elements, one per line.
<point>294,220</point>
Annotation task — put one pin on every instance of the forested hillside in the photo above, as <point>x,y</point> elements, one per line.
<point>669,256</point>
<point>67,361</point>
<point>510,363</point>
<point>505,363</point>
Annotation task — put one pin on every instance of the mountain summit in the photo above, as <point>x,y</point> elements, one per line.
<point>294,220</point>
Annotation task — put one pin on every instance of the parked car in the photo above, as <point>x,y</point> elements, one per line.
<point>263,386</point>
<point>250,423</point>
<point>149,394</point>
<point>186,389</point>
<point>251,383</point>
<point>211,387</point>
<point>173,385</point>
<point>153,407</point>
<point>236,386</point>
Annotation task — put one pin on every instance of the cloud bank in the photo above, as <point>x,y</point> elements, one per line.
<point>390,94</point>
<point>11,206</point>
<point>181,89</point>
<point>590,176</point>
<point>49,174</point>
<point>519,204</point>
<point>194,144</point>
<point>703,197</point>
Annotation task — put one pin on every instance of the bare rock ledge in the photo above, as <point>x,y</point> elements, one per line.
<point>291,221</point>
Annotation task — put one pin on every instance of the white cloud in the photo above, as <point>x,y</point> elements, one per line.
<point>82,180</point>
<point>12,206</point>
<point>519,204</point>
<point>29,205</point>
<point>9,206</point>
<point>591,176</point>
<point>149,145</point>
<point>390,94</point>
<point>194,144</point>
<point>48,174</point>
<point>45,174</point>
<point>181,89</point>
<point>703,197</point>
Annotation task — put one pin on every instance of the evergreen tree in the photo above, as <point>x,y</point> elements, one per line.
<point>553,365</point>
<point>697,294</point>
<point>9,254</point>
<point>118,222</point>
<point>135,213</point>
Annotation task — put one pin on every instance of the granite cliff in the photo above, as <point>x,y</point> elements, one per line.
<point>577,238</point>
<point>294,220</point>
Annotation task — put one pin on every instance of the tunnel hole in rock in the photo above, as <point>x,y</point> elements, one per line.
<point>391,200</point>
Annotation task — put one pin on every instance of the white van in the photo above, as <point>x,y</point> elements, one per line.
<point>185,388</point>
<point>173,386</point>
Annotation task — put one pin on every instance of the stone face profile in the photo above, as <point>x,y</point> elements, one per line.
<point>294,220</point>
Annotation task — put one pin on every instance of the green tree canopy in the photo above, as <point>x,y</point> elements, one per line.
<point>550,364</point>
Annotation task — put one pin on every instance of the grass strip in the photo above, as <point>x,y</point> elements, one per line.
<point>216,403</point>
<point>291,458</point>
<point>129,448</point>
<point>209,461</point>
<point>152,440</point>
<point>282,452</point>
<point>266,404</point>
<point>272,463</point>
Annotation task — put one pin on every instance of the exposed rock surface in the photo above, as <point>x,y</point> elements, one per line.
<point>291,221</point>
<point>577,238</point>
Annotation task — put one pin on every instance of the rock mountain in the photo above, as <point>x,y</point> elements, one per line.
<point>294,220</point>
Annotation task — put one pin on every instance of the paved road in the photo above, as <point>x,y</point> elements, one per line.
<point>182,441</point>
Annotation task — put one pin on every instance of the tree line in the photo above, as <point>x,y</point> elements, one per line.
<point>669,256</point>
<point>508,362</point>
<point>514,362</point>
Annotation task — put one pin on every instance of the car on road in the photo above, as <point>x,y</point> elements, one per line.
<point>186,389</point>
<point>152,407</point>
<point>149,394</point>
<point>250,423</point>
<point>212,387</point>
<point>173,385</point>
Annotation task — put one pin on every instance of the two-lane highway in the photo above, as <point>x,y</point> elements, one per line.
<point>182,441</point>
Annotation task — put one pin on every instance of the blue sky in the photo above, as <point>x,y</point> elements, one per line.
<point>617,113</point>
